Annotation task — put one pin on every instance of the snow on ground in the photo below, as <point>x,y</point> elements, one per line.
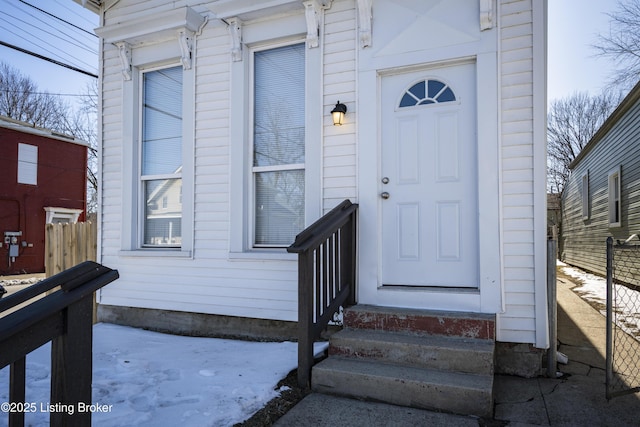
<point>147,378</point>
<point>593,289</point>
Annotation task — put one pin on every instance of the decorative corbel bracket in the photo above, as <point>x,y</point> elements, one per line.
<point>124,51</point>
<point>486,15</point>
<point>235,29</point>
<point>364,22</point>
<point>185,38</point>
<point>313,14</point>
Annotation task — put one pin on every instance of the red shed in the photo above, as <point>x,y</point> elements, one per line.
<point>43,178</point>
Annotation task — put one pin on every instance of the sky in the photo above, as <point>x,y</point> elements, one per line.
<point>572,28</point>
<point>35,30</point>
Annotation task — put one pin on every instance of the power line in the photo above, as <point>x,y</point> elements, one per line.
<point>64,31</point>
<point>53,61</point>
<point>58,18</point>
<point>73,42</point>
<point>45,93</point>
<point>61,58</point>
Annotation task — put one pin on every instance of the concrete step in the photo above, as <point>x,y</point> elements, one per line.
<point>393,319</point>
<point>468,355</point>
<point>458,393</point>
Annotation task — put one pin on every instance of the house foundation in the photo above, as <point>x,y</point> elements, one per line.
<point>521,360</point>
<point>199,324</point>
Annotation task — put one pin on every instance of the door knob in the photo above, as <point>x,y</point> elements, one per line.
<point>385,180</point>
<point>385,195</point>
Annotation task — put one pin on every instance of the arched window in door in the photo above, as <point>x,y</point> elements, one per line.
<point>427,92</point>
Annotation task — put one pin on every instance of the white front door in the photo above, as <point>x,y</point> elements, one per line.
<point>428,178</point>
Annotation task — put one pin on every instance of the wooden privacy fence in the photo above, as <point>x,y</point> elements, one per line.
<point>67,245</point>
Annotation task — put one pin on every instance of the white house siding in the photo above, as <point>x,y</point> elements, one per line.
<point>210,281</point>
<point>339,147</point>
<point>520,184</point>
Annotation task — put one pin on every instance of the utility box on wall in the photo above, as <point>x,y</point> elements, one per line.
<point>40,170</point>
<point>11,241</point>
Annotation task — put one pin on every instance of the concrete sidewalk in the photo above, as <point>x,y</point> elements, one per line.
<point>576,399</point>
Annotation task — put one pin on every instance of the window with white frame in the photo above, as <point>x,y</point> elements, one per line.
<point>161,157</point>
<point>278,166</point>
<point>585,196</point>
<point>27,164</point>
<point>614,198</point>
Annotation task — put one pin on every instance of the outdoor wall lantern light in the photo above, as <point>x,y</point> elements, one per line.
<point>338,114</point>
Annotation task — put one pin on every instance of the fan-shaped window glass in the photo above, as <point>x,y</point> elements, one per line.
<point>427,92</point>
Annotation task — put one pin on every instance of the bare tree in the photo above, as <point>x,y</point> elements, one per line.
<point>20,99</point>
<point>571,123</point>
<point>84,127</point>
<point>622,43</point>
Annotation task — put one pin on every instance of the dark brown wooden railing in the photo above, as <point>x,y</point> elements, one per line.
<point>64,317</point>
<point>326,277</point>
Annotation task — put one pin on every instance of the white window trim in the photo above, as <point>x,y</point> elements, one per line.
<point>70,215</point>
<point>142,178</point>
<point>584,193</point>
<point>27,164</point>
<point>146,58</point>
<point>241,214</point>
<point>254,170</point>
<point>612,203</point>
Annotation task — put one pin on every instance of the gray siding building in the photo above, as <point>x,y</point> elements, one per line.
<point>602,197</point>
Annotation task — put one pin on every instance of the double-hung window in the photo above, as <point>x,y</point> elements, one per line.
<point>161,158</point>
<point>278,164</point>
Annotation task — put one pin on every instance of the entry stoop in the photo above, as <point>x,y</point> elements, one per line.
<point>424,359</point>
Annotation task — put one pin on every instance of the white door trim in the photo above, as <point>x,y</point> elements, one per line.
<point>488,296</point>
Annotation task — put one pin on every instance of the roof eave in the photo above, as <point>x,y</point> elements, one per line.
<point>629,101</point>
<point>92,5</point>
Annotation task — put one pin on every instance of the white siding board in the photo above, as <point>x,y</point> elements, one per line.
<point>239,287</point>
<point>517,79</point>
<point>210,282</point>
<point>339,160</point>
<point>509,335</point>
<point>518,322</point>
<point>519,164</point>
<point>516,200</point>
<point>523,126</point>
<point>515,248</point>
<point>519,211</point>
<point>517,114</point>
<point>515,19</point>
<point>512,143</point>
<point>517,90</point>
<point>515,43</point>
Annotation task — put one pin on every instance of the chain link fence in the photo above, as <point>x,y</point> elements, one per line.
<point>623,317</point>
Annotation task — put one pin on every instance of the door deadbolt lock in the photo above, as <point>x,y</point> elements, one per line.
<point>385,195</point>
<point>385,180</point>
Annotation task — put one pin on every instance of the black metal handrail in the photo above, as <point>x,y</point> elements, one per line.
<point>326,277</point>
<point>64,317</point>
